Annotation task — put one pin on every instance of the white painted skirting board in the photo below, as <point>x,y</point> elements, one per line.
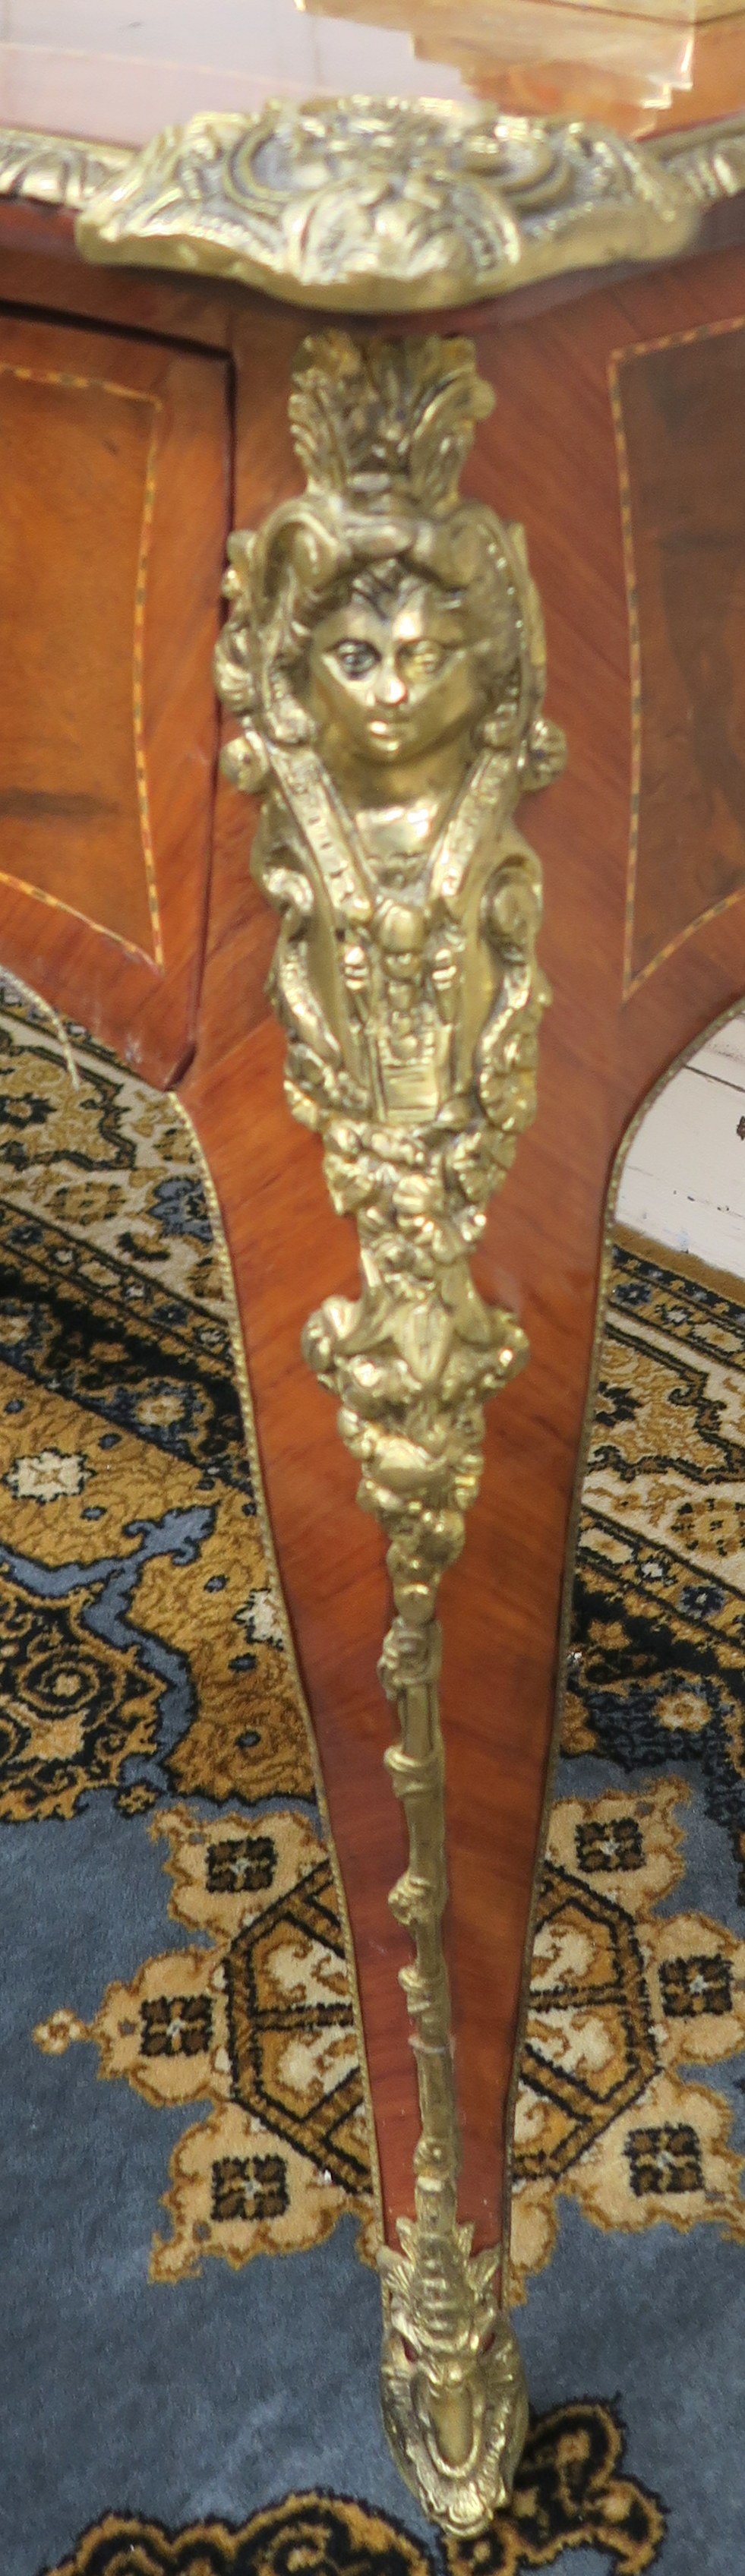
<point>683,1182</point>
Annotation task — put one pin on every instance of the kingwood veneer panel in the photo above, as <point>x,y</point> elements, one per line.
<point>680,410</point>
<point>548,457</point>
<point>112,449</point>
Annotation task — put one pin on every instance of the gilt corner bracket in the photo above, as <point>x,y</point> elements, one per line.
<point>386,205</point>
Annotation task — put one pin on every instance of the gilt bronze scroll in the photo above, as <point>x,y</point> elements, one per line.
<point>384,656</point>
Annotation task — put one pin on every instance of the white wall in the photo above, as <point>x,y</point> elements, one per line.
<point>683,1182</point>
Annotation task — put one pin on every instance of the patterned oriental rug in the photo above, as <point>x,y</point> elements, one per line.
<point>183,2099</point>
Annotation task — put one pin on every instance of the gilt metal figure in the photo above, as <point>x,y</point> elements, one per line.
<point>384,656</point>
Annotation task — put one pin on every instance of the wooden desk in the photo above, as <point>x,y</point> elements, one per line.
<point>143,413</point>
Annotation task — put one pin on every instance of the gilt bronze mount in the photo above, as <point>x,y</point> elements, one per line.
<point>384,656</point>
<point>385,204</point>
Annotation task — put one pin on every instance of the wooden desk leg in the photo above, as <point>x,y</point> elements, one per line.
<point>384,655</point>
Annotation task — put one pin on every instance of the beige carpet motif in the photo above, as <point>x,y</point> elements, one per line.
<point>260,2024</point>
<point>634,2006</point>
<point>144,1652</point>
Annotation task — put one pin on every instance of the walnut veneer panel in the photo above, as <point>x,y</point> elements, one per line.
<point>111,448</point>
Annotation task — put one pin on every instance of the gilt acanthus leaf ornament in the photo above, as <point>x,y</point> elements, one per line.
<point>384,658</point>
<point>55,169</point>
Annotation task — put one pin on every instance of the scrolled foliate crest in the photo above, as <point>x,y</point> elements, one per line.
<point>372,417</point>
